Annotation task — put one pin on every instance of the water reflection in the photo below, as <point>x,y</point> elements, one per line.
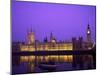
<point>60,58</point>
<point>33,64</point>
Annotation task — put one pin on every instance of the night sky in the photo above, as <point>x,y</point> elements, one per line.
<point>63,20</point>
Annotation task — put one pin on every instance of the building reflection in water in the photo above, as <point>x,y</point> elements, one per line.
<point>61,58</point>
<point>34,60</point>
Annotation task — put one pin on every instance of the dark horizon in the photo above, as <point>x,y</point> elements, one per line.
<point>63,20</point>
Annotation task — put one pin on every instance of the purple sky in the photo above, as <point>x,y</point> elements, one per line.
<point>63,20</point>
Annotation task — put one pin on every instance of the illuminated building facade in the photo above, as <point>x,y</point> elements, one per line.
<point>54,45</point>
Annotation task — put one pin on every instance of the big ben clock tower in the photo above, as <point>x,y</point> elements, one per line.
<point>89,41</point>
<point>88,34</point>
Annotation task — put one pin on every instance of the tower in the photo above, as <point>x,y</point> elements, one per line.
<point>31,37</point>
<point>89,41</point>
<point>52,39</point>
<point>88,34</point>
<point>80,42</point>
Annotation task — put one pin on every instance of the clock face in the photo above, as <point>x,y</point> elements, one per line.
<point>88,32</point>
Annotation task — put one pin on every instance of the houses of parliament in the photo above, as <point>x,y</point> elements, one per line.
<point>54,45</point>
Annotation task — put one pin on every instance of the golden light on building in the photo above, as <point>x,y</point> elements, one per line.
<point>53,45</point>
